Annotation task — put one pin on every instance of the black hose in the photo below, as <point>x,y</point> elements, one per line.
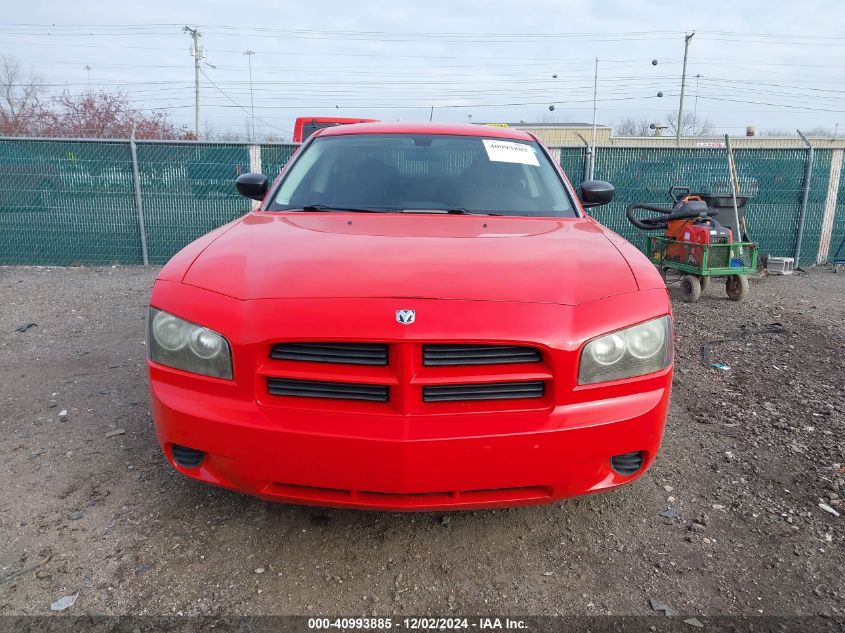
<point>657,223</point>
<point>647,224</point>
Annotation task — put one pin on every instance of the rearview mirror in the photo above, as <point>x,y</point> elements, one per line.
<point>595,193</point>
<point>252,185</point>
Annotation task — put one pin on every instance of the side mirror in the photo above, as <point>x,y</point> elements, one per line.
<point>252,185</point>
<point>595,193</point>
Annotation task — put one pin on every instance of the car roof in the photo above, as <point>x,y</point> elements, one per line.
<point>457,129</point>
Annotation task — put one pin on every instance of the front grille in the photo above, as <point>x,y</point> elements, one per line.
<point>484,391</point>
<point>332,390</point>
<point>405,500</point>
<point>445,355</point>
<point>340,353</point>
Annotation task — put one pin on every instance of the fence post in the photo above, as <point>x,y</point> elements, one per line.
<point>589,160</point>
<point>139,207</point>
<point>805,193</point>
<point>255,167</point>
<point>830,206</point>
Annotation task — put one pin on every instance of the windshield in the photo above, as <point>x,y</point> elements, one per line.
<point>424,173</point>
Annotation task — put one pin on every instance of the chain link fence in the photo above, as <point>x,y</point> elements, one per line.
<point>72,202</point>
<point>773,177</point>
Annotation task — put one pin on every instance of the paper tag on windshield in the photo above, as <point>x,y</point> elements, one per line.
<point>507,152</point>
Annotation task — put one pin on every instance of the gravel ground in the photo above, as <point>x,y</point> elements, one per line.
<point>727,522</point>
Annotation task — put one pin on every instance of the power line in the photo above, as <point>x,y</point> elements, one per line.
<point>241,107</point>
<point>461,34</point>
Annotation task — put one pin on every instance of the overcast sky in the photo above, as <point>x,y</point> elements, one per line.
<point>772,64</point>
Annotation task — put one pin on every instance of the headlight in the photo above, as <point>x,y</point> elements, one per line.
<point>634,351</point>
<point>178,343</point>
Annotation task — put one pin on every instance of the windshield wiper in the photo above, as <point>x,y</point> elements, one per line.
<point>455,211</point>
<point>460,211</point>
<point>327,207</point>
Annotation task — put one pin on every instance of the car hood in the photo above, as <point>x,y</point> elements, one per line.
<point>325,255</point>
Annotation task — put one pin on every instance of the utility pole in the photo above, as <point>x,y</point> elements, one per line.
<point>595,106</point>
<point>687,38</point>
<point>249,55</point>
<point>697,81</point>
<point>198,54</point>
<point>88,70</point>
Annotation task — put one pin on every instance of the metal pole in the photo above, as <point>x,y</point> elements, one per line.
<point>697,81</point>
<point>196,84</point>
<point>683,85</point>
<point>139,208</point>
<point>197,53</point>
<point>805,194</point>
<point>249,55</point>
<point>734,187</point>
<point>595,105</point>
<point>588,158</point>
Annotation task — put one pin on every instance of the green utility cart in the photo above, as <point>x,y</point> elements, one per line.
<point>701,262</point>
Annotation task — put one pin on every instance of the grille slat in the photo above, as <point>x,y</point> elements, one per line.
<point>339,353</point>
<point>451,355</point>
<point>484,391</point>
<point>330,390</point>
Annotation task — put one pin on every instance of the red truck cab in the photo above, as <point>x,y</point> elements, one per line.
<point>305,126</point>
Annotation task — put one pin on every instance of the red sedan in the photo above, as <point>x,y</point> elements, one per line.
<point>417,317</point>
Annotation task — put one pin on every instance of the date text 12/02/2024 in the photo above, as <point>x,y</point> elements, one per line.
<point>416,624</point>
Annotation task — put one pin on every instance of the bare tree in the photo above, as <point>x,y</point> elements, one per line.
<point>107,115</point>
<point>692,124</point>
<point>819,131</point>
<point>20,105</point>
<point>629,126</point>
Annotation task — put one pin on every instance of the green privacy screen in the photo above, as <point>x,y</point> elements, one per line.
<point>839,225</point>
<point>773,177</point>
<point>187,190</point>
<point>67,203</point>
<point>73,202</point>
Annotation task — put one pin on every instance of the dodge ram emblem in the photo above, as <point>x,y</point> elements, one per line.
<point>406,317</point>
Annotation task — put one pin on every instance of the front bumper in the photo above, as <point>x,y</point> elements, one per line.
<point>246,451</point>
<point>407,454</point>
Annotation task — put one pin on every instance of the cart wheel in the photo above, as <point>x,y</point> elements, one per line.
<point>705,283</point>
<point>690,288</point>
<point>737,287</point>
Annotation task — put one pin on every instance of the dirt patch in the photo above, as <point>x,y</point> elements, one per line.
<point>727,522</point>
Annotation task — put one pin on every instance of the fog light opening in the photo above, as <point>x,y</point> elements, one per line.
<point>186,457</point>
<point>627,463</point>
